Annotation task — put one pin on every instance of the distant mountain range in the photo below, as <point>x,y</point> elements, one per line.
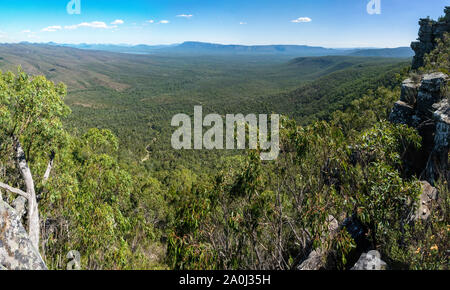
<point>385,52</point>
<point>202,48</point>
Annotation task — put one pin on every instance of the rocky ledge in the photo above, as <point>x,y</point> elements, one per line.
<point>424,105</point>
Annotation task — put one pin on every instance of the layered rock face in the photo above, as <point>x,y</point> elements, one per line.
<point>423,105</point>
<point>430,31</point>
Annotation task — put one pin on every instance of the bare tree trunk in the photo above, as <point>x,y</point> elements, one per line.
<point>33,213</point>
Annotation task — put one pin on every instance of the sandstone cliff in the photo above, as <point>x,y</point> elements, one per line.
<point>430,31</point>
<point>424,106</point>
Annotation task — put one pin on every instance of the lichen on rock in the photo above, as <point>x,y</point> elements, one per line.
<point>370,261</point>
<point>16,250</point>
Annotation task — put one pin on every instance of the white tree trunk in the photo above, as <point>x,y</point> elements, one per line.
<point>33,213</point>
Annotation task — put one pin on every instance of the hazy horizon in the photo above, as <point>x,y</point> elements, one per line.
<point>195,41</point>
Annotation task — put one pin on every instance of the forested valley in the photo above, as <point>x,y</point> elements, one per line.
<point>92,131</point>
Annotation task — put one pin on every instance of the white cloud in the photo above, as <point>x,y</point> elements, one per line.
<point>185,15</point>
<point>52,28</point>
<point>118,21</point>
<point>242,23</point>
<point>302,20</point>
<point>94,24</point>
<point>164,22</point>
<point>32,35</point>
<point>150,21</point>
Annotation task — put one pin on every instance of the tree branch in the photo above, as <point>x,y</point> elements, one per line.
<point>49,167</point>
<point>14,190</point>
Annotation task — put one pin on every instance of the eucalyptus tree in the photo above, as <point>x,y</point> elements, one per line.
<point>31,132</point>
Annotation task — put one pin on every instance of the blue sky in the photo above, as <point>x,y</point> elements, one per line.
<point>329,23</point>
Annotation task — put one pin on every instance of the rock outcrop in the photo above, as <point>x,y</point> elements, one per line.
<point>424,106</point>
<point>370,261</point>
<point>429,32</point>
<point>320,258</point>
<point>437,164</point>
<point>428,195</point>
<point>317,258</point>
<point>16,250</point>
